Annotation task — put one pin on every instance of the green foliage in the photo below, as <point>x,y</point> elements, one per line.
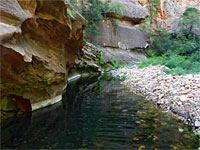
<point>114,62</point>
<point>153,7</point>
<point>101,61</point>
<point>181,44</point>
<point>178,51</point>
<point>115,25</point>
<point>93,15</point>
<point>71,13</point>
<point>123,76</point>
<point>146,27</point>
<point>190,21</point>
<point>117,9</point>
<point>93,12</point>
<point>74,3</point>
<point>47,82</point>
<point>178,64</point>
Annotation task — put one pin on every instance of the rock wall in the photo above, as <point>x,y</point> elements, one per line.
<point>118,37</point>
<point>170,11</point>
<point>39,42</point>
<point>118,31</point>
<point>87,60</point>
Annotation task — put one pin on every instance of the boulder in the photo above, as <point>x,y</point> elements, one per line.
<point>117,35</point>
<point>122,57</point>
<point>132,12</point>
<point>87,60</point>
<point>39,43</point>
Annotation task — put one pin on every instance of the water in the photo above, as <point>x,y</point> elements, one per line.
<point>98,113</point>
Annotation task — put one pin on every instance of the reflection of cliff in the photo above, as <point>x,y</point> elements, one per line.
<point>53,126</point>
<point>39,43</point>
<point>97,113</point>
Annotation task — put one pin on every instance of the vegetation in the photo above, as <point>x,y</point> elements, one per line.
<point>179,51</point>
<point>153,7</point>
<point>94,13</point>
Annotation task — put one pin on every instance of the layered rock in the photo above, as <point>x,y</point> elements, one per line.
<point>118,31</point>
<point>118,35</point>
<point>122,57</point>
<point>87,60</point>
<point>94,59</point>
<point>133,12</point>
<point>39,43</point>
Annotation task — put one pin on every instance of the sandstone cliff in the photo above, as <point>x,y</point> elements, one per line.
<point>119,32</point>
<point>39,43</point>
<point>170,11</point>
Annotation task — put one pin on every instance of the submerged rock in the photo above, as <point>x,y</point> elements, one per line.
<point>39,43</point>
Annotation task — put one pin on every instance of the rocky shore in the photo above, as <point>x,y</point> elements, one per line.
<point>179,95</point>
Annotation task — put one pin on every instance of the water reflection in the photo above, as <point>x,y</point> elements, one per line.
<point>97,113</point>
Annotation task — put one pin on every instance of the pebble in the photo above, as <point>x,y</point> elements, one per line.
<point>197,123</point>
<point>166,90</point>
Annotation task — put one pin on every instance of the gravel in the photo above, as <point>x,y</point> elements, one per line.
<point>179,95</point>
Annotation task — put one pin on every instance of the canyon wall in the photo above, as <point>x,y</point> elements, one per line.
<point>171,11</point>
<point>117,29</point>
<point>39,41</point>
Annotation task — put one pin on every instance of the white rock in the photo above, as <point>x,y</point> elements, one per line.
<point>183,98</point>
<point>197,123</point>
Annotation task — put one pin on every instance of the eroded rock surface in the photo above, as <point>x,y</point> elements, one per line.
<point>87,60</point>
<point>118,31</point>
<point>39,43</point>
<point>171,11</point>
<point>122,36</point>
<point>122,57</point>
<point>134,12</point>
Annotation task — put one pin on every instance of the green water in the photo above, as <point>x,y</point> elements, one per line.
<point>97,113</point>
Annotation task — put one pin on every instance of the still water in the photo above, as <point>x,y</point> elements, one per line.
<point>97,113</point>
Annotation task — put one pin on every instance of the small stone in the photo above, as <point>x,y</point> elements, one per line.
<point>161,96</point>
<point>183,98</point>
<point>186,92</point>
<point>179,103</point>
<point>197,123</point>
<point>187,86</point>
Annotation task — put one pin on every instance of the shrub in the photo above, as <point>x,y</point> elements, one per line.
<point>178,64</point>
<point>189,21</point>
<point>94,13</point>
<point>180,52</point>
<point>183,43</point>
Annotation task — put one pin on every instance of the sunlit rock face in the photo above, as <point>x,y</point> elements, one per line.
<point>39,41</point>
<point>133,12</point>
<point>171,11</point>
<point>118,31</point>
